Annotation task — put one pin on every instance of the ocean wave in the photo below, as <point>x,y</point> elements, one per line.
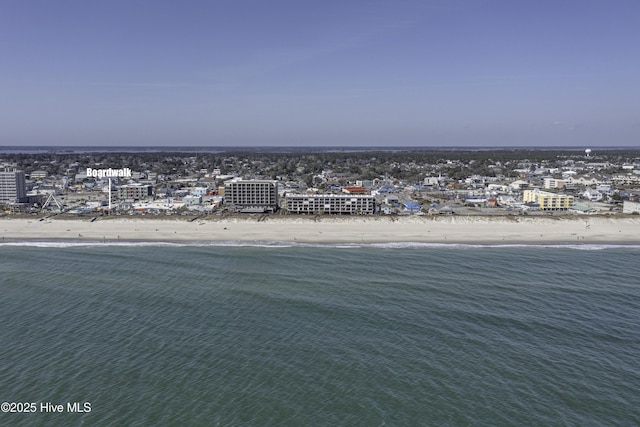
<point>75,244</point>
<point>279,244</point>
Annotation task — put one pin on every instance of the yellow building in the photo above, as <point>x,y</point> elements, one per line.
<point>548,201</point>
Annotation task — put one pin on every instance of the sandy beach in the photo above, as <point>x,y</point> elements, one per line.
<point>451,229</point>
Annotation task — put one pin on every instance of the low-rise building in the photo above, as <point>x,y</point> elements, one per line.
<point>134,191</point>
<point>38,175</point>
<point>199,191</point>
<point>192,200</point>
<point>548,201</point>
<point>519,185</point>
<point>431,181</point>
<point>553,183</point>
<point>366,183</point>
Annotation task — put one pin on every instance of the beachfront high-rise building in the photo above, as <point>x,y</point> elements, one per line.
<point>13,186</point>
<point>251,195</point>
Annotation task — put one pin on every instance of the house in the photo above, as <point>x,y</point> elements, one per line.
<point>592,195</point>
<point>588,180</point>
<point>410,207</point>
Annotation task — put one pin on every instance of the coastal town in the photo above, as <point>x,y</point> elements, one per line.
<point>319,183</point>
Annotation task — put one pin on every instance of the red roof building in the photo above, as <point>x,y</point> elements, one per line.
<point>354,190</point>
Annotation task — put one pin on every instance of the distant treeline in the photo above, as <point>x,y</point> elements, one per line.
<point>303,165</point>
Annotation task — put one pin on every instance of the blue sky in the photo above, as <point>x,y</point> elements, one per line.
<point>284,72</point>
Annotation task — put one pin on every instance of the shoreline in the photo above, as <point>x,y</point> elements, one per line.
<point>54,243</point>
<point>331,230</point>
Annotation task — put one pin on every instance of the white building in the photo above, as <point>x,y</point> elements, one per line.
<point>12,186</point>
<point>431,180</point>
<point>199,191</point>
<point>552,183</point>
<point>592,195</point>
<point>38,175</point>
<point>192,200</point>
<point>519,185</point>
<point>349,204</point>
<point>588,180</point>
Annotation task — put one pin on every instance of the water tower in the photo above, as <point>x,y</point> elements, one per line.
<point>587,152</point>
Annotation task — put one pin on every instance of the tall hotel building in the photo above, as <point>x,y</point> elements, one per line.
<point>251,195</point>
<point>12,186</point>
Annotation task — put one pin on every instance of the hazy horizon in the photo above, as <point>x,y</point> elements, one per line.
<point>462,73</point>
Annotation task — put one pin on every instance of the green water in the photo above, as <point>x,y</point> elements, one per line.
<point>222,335</point>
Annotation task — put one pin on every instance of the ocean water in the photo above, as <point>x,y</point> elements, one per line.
<point>269,335</point>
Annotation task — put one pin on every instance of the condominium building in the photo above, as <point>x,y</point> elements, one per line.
<point>330,204</point>
<point>251,195</point>
<point>13,186</point>
<point>134,191</point>
<point>548,201</point>
<point>38,175</point>
<point>552,183</point>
